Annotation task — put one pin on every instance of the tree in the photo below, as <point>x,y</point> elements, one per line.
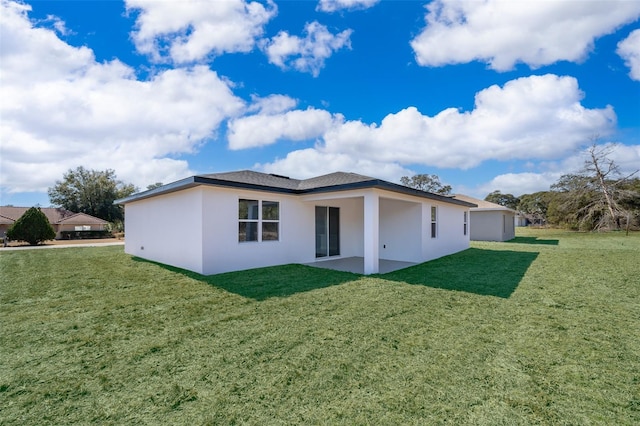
<point>32,227</point>
<point>91,192</point>
<point>507,200</point>
<point>154,186</point>
<point>596,197</point>
<point>426,182</point>
<point>535,206</point>
<point>608,181</point>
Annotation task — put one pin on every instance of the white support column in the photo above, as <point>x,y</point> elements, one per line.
<point>371,233</point>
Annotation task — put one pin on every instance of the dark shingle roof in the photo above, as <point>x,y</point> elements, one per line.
<point>255,178</point>
<point>248,179</point>
<point>334,179</point>
<point>283,182</point>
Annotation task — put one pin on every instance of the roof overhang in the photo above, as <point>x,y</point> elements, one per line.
<point>194,181</point>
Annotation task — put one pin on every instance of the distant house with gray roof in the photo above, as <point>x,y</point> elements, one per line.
<point>490,221</point>
<point>245,219</point>
<point>61,219</point>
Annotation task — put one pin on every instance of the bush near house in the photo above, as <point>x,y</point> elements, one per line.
<point>32,227</point>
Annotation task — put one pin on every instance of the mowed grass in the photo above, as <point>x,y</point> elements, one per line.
<point>541,330</point>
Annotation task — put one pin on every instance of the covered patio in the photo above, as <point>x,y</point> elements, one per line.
<point>356,265</point>
<point>376,234</point>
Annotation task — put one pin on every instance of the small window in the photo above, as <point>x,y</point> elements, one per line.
<point>248,210</point>
<point>434,221</point>
<point>270,231</point>
<point>465,224</point>
<point>270,220</point>
<point>248,231</point>
<point>270,210</point>
<point>248,220</point>
<point>258,220</point>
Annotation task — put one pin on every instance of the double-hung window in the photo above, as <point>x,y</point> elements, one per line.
<point>258,220</point>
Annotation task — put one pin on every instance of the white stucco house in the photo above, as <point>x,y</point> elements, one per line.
<point>233,221</point>
<point>490,221</point>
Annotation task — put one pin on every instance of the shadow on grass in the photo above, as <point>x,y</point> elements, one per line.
<point>264,283</point>
<point>484,272</point>
<point>532,240</point>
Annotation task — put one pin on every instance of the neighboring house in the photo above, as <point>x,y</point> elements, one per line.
<point>59,218</point>
<point>490,221</point>
<point>521,220</point>
<point>240,220</point>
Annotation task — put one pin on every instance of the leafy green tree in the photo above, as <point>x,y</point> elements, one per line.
<point>154,186</point>
<point>535,206</point>
<point>629,201</point>
<point>426,182</point>
<point>91,192</point>
<point>507,200</point>
<point>572,196</point>
<point>32,227</point>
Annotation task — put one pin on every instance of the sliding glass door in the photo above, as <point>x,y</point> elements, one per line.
<point>327,231</point>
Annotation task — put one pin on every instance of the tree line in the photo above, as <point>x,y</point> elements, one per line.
<point>598,196</point>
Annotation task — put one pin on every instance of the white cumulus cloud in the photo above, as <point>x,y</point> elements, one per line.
<point>307,163</point>
<point>518,183</point>
<point>335,5</point>
<point>192,30</point>
<point>306,54</point>
<point>531,117</point>
<point>265,129</point>
<point>61,109</point>
<point>272,104</point>
<point>537,117</point>
<point>503,33</point>
<point>629,50</point>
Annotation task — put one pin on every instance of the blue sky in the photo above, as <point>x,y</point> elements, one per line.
<point>486,94</point>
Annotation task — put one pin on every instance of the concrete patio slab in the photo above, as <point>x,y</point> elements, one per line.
<point>356,265</point>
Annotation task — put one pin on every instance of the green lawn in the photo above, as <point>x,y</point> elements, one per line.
<point>541,330</point>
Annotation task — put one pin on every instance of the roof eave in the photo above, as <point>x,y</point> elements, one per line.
<point>381,184</point>
<point>374,183</point>
<point>164,189</point>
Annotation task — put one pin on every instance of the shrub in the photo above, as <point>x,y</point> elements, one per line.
<point>82,235</point>
<point>32,227</point>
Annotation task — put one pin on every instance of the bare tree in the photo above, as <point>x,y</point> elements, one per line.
<point>596,196</point>
<point>608,180</point>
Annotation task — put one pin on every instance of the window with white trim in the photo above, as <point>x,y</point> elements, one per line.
<point>434,221</point>
<point>258,220</point>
